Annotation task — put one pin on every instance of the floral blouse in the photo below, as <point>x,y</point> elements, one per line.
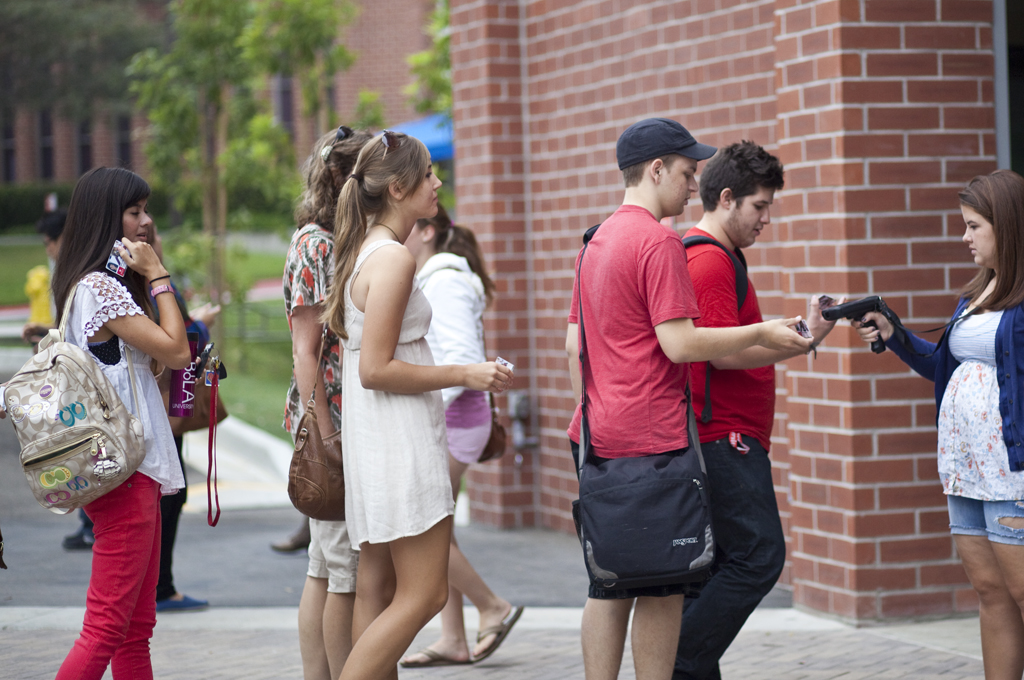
<point>972,455</point>
<point>308,270</point>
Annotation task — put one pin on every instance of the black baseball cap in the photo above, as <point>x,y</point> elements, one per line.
<point>657,137</point>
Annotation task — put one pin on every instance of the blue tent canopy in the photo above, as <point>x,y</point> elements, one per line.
<point>435,132</point>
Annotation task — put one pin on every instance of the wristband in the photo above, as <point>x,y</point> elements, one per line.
<point>160,289</point>
<point>166,276</point>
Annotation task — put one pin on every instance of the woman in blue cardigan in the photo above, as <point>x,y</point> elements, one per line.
<point>978,370</point>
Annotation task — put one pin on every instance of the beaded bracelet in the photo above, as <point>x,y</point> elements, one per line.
<point>160,289</point>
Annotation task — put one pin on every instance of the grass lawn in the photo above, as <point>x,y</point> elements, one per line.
<point>15,261</point>
<point>255,266</point>
<point>259,366</point>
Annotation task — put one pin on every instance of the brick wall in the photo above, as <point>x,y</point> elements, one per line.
<point>879,109</point>
<point>885,111</point>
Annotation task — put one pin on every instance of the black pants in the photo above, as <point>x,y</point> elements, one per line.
<point>751,551</point>
<point>170,511</point>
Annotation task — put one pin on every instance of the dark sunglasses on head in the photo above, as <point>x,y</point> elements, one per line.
<point>391,141</point>
<point>343,132</point>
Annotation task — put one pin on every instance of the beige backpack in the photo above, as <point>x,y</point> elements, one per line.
<point>78,440</point>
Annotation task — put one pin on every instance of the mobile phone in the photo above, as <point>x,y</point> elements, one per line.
<point>116,264</point>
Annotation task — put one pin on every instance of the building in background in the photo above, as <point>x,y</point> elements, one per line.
<point>881,111</point>
<point>41,146</point>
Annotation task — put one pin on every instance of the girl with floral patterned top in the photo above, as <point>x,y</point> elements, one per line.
<point>978,370</point>
<point>325,610</point>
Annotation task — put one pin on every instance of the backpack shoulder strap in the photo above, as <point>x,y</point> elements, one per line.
<point>739,264</point>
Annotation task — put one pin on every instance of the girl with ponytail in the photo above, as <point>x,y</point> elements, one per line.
<point>398,496</point>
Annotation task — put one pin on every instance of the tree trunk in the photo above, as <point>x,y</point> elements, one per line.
<point>221,201</point>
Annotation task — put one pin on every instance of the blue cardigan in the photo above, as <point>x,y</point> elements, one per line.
<point>940,365</point>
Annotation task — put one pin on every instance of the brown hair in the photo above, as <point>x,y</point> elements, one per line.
<point>458,240</point>
<point>364,195</point>
<point>322,181</point>
<point>632,175</point>
<point>999,199</point>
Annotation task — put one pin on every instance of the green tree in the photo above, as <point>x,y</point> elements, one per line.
<point>369,113</point>
<point>299,38</point>
<point>69,54</point>
<point>187,92</point>
<point>431,92</point>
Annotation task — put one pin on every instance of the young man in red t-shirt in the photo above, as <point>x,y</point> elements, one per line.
<point>737,188</point>
<point>639,306</point>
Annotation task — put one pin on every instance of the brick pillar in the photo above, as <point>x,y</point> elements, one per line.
<point>884,112</point>
<point>65,149</point>
<point>490,190</point>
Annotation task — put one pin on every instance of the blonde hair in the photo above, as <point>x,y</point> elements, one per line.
<point>364,195</point>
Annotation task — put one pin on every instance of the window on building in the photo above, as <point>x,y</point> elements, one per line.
<point>284,104</point>
<point>45,144</point>
<point>1015,76</point>
<point>84,146</point>
<point>123,141</point>
<point>8,148</point>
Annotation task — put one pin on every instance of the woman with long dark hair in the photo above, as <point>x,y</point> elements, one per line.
<point>450,271</point>
<point>398,497</point>
<point>978,370</point>
<point>325,610</point>
<point>110,319</point>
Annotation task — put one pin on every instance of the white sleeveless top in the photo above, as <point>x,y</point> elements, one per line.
<point>395,445</point>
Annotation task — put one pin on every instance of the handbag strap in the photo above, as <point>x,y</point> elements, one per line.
<point>585,443</point>
<point>319,367</point>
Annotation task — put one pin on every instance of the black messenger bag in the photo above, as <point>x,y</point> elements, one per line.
<point>641,521</point>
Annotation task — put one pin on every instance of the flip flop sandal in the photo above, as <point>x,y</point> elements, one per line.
<point>434,659</point>
<point>501,631</point>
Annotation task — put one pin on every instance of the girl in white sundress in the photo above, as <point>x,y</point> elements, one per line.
<point>978,370</point>
<point>398,502</point>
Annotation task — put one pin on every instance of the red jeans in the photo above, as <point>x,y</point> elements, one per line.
<point>120,610</point>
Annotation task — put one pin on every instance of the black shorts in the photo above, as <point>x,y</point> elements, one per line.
<point>691,589</point>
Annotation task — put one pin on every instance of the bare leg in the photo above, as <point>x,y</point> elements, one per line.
<point>604,637</point>
<point>420,566</point>
<point>464,580</point>
<point>315,665</point>
<point>655,636</point>
<point>1002,629</point>
<point>337,626</point>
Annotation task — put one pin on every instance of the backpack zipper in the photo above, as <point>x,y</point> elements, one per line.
<point>93,441</point>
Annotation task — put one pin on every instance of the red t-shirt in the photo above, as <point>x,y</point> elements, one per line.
<point>741,400</point>
<point>634,278</point>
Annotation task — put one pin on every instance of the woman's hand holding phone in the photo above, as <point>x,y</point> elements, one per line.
<point>142,258</point>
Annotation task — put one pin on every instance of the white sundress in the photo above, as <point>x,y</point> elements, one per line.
<point>972,455</point>
<point>98,299</point>
<point>395,445</point>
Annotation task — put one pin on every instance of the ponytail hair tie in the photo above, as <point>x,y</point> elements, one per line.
<point>358,178</point>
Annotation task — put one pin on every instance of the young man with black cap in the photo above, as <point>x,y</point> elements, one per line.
<point>638,345</point>
<point>734,396</point>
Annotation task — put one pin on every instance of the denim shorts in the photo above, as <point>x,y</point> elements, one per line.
<point>971,517</point>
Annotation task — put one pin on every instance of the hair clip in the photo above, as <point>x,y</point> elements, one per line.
<point>344,132</point>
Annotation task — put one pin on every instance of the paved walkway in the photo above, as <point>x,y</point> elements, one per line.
<point>260,643</point>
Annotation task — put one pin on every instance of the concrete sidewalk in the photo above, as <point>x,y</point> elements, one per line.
<point>263,643</point>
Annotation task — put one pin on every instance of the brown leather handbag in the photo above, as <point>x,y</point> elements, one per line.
<point>495,447</point>
<point>316,480</point>
<point>200,419</point>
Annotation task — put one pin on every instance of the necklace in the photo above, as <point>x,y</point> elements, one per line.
<point>391,230</point>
